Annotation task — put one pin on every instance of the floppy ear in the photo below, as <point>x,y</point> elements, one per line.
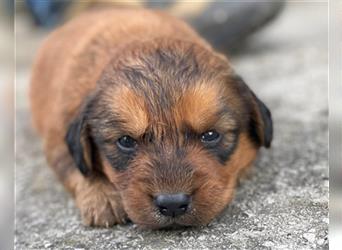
<point>260,121</point>
<point>261,125</point>
<point>79,143</point>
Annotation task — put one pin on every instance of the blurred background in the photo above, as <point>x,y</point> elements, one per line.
<point>257,35</point>
<point>6,125</point>
<point>335,123</point>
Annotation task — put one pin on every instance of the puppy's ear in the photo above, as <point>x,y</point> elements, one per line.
<point>261,125</point>
<point>260,120</point>
<point>79,143</point>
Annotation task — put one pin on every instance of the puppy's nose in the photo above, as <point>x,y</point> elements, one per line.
<point>172,204</point>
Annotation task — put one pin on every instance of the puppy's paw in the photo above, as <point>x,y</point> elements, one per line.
<point>100,204</point>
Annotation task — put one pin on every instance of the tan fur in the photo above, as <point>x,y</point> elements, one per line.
<point>133,110</point>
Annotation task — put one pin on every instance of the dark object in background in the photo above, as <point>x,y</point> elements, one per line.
<point>47,13</point>
<point>226,25</point>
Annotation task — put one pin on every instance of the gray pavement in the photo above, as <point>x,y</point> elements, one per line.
<point>283,205</point>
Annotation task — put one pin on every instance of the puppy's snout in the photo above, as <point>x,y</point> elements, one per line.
<point>172,204</point>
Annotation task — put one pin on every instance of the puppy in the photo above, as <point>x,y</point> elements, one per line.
<point>141,119</point>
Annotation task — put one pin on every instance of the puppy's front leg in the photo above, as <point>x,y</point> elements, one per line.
<point>99,202</point>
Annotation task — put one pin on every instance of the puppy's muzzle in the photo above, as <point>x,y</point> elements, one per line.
<point>172,205</point>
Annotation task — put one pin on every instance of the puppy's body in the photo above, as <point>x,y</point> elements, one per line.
<point>147,75</point>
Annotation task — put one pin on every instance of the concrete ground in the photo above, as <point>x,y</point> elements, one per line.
<point>284,205</point>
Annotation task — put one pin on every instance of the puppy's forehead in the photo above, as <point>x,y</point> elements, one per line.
<point>201,105</point>
<point>198,106</point>
<point>168,86</point>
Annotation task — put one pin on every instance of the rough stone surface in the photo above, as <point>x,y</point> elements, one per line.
<point>283,205</point>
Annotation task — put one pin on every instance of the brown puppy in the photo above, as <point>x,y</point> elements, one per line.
<point>142,119</point>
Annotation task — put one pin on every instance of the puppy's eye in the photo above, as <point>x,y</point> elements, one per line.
<point>210,137</point>
<point>127,143</point>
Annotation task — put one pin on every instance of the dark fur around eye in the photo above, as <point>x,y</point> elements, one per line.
<point>118,159</point>
<point>219,145</point>
<point>225,147</point>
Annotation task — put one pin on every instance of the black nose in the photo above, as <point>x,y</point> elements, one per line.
<point>172,204</point>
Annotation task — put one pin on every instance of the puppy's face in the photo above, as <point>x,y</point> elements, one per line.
<point>171,126</point>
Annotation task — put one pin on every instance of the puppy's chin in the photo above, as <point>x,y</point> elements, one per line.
<point>156,221</point>
<point>170,223</point>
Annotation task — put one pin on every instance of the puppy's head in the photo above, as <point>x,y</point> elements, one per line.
<point>171,126</point>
